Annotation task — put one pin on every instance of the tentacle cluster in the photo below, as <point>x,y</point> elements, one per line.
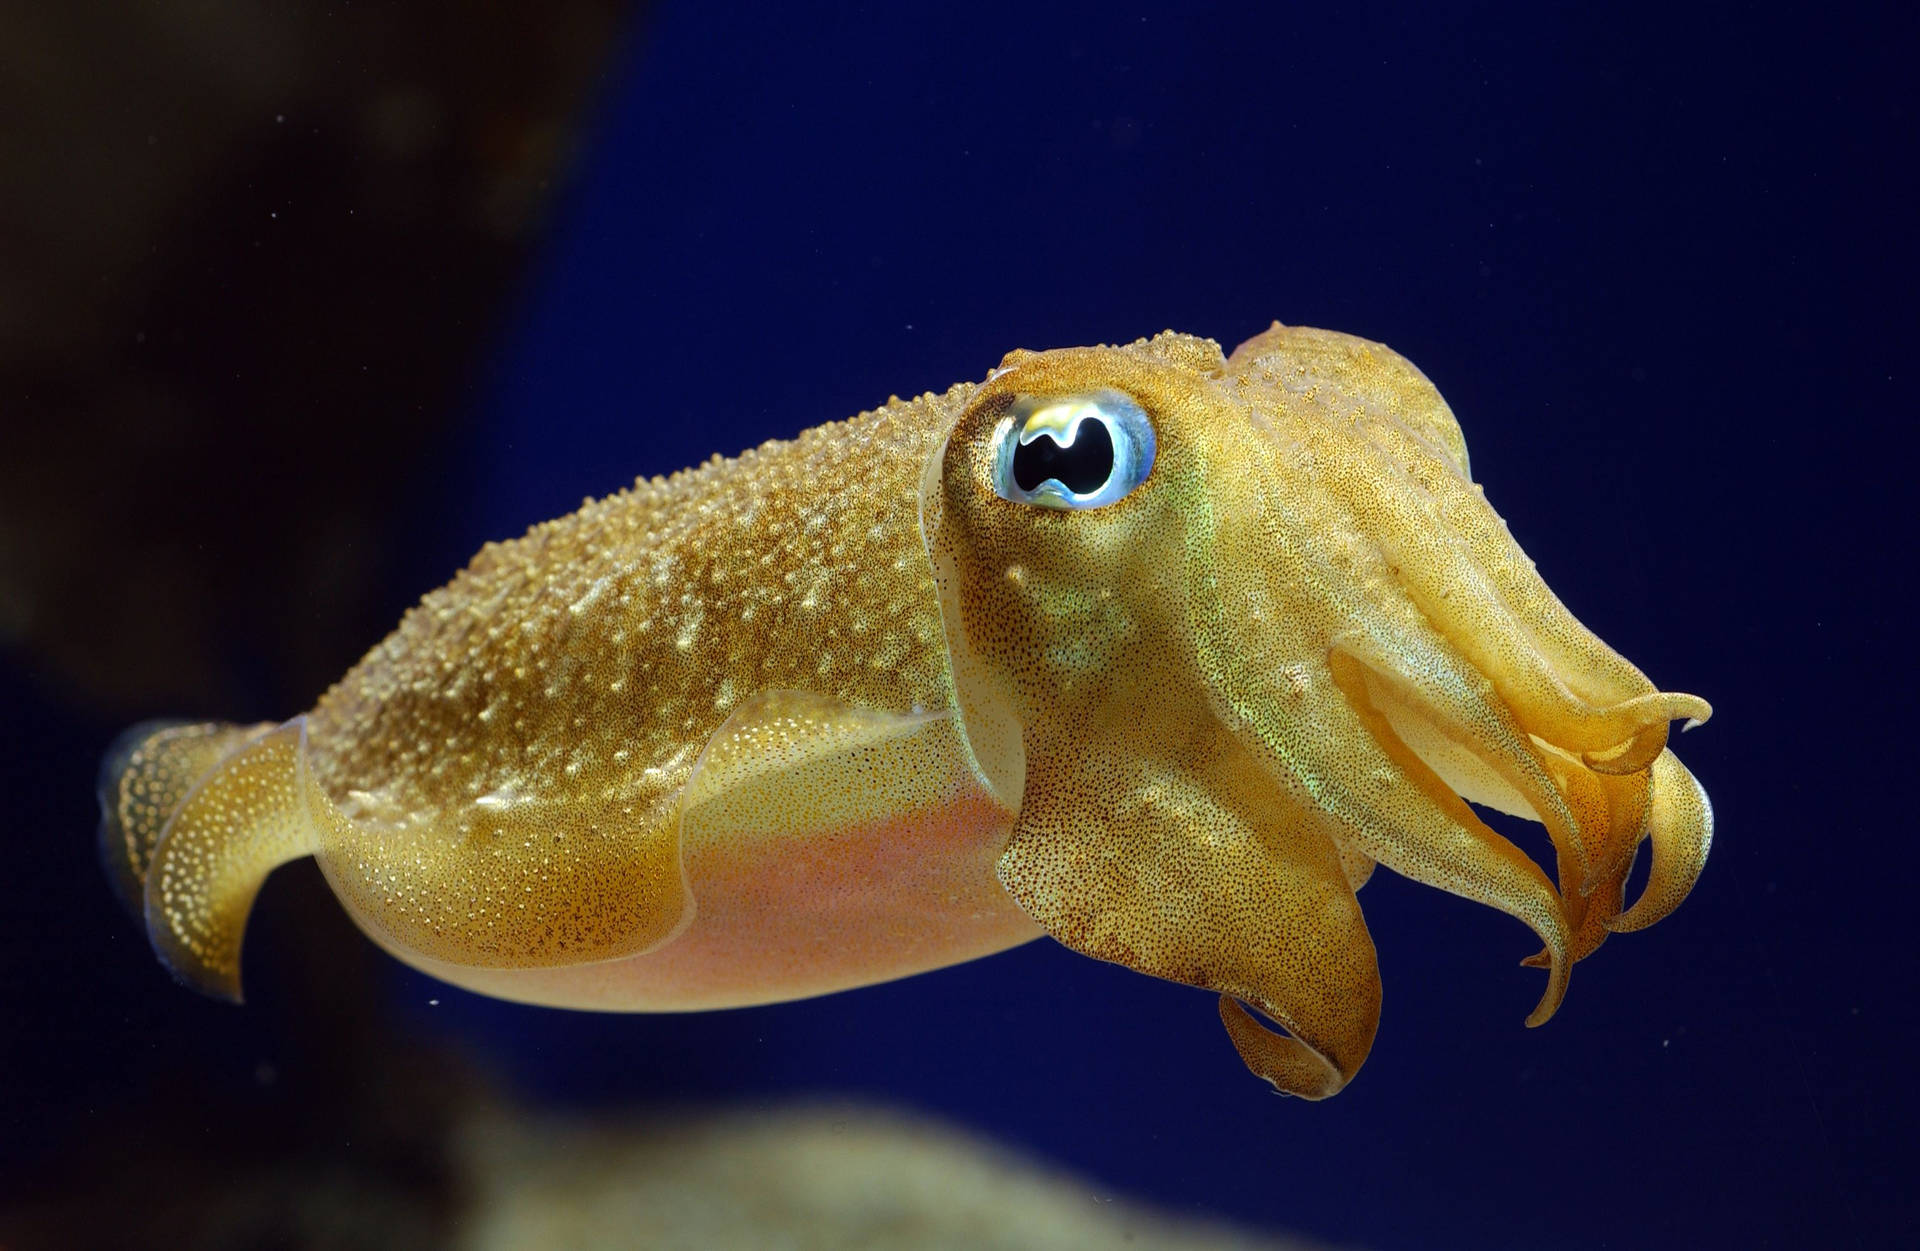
<point>1304,646</point>
<point>1472,680</point>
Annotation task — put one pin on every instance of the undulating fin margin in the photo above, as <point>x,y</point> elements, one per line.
<point>193,818</point>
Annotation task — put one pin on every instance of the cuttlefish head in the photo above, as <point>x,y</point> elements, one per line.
<point>1226,632</point>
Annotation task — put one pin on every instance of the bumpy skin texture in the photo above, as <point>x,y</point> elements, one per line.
<point>838,711</point>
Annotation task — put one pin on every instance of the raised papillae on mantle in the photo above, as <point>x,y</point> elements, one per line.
<point>1150,649</point>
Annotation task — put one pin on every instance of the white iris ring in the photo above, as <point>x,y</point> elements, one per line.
<point>1060,417</point>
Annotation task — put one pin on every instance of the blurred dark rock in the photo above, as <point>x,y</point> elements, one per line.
<point>825,1176</point>
<point>248,254</point>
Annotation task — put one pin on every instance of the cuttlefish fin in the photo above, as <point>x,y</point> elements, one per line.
<point>785,789</point>
<point>146,775</point>
<point>1199,870</point>
<point>246,815</point>
<point>528,875</point>
<point>821,762</point>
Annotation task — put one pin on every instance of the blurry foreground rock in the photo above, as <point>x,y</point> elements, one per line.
<point>847,1178</point>
<point>832,1177</point>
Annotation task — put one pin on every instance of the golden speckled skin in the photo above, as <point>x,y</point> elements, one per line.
<point>570,680</point>
<point>837,711</point>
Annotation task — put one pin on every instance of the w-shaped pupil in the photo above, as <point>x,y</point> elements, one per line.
<point>1083,466</point>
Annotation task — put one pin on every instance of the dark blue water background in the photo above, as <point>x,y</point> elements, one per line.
<point>1657,258</point>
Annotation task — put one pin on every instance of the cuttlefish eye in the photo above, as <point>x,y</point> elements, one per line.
<point>1072,451</point>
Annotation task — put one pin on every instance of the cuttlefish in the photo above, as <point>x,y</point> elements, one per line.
<point>1153,650</point>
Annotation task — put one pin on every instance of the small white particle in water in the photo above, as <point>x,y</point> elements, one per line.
<point>433,1003</point>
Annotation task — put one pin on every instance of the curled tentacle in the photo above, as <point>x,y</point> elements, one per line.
<point>1415,824</point>
<point>1612,809</point>
<point>1680,827</point>
<point>1427,694</point>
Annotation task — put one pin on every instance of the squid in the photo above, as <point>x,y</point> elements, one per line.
<point>1152,649</point>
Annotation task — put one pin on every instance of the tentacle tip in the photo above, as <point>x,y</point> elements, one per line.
<point>1697,711</point>
<point>1286,1064</point>
<point>1556,992</point>
<point>1634,919</point>
<point>1541,959</point>
<point>1655,906</point>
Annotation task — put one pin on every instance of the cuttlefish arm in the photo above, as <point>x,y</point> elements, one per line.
<point>1152,650</point>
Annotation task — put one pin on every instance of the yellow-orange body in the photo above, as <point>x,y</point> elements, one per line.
<point>857,705</point>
